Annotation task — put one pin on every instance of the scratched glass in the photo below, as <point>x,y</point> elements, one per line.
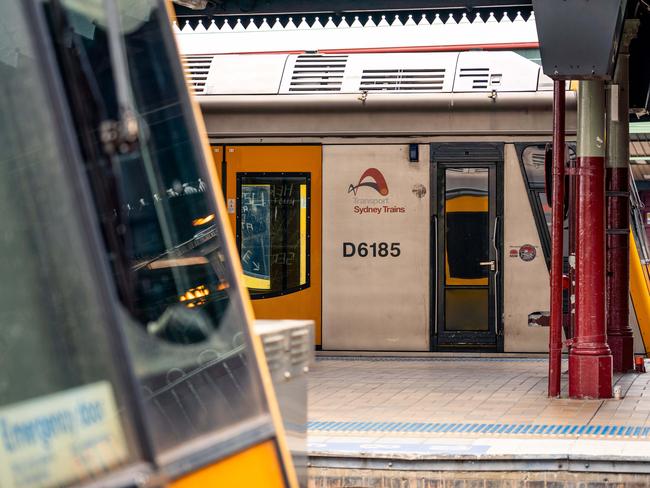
<point>56,357</point>
<point>184,321</point>
<point>255,237</point>
<point>273,222</point>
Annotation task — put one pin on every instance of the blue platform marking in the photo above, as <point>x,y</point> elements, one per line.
<point>476,428</point>
<point>431,359</point>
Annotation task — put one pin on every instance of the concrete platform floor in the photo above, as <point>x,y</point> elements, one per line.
<point>491,414</point>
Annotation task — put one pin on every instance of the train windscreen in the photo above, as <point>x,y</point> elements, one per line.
<point>65,410</point>
<point>184,320</point>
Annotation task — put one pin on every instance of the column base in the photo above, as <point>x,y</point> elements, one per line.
<point>622,347</point>
<point>590,376</point>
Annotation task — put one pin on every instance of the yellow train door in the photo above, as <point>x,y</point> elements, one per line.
<point>274,205</point>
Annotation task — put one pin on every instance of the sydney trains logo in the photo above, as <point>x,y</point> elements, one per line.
<point>372,178</point>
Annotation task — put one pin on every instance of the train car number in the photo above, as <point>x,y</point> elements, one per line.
<point>372,249</point>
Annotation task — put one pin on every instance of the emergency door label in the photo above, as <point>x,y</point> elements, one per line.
<point>55,439</point>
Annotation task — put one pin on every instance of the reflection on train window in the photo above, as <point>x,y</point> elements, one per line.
<point>466,310</point>
<point>467,226</point>
<point>56,358</point>
<point>544,204</point>
<point>532,161</point>
<point>159,223</point>
<point>273,237</point>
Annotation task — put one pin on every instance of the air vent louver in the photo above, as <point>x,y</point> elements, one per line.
<point>196,70</point>
<point>480,77</point>
<point>402,80</point>
<point>318,73</point>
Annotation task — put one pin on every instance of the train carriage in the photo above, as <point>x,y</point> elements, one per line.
<point>127,348</point>
<point>425,223</point>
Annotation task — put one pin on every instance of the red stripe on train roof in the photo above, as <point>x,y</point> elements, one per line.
<point>405,49</point>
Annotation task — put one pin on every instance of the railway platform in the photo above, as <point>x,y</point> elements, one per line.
<point>470,421</point>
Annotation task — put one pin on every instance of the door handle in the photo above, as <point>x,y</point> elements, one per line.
<point>491,264</point>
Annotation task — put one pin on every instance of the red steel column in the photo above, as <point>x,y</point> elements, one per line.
<point>557,257</point>
<point>619,334</point>
<point>590,360</point>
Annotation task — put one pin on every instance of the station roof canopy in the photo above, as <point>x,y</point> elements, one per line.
<point>367,33</point>
<point>287,7</point>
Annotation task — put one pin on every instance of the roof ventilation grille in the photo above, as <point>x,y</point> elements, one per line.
<point>318,73</point>
<point>196,71</point>
<point>402,80</point>
<point>480,77</point>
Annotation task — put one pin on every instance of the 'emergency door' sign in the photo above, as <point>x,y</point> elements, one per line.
<point>55,439</point>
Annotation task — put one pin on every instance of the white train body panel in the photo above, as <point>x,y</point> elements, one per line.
<point>375,249</point>
<point>526,283</point>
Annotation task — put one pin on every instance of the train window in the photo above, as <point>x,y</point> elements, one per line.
<point>532,162</point>
<point>65,412</point>
<point>467,241</point>
<point>273,231</point>
<point>184,322</point>
<point>467,226</point>
<point>532,54</point>
<point>466,310</point>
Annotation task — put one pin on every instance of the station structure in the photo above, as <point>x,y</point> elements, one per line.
<point>414,418</point>
<point>598,275</point>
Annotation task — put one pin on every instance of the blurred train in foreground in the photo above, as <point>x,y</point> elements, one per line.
<point>398,199</point>
<point>127,353</point>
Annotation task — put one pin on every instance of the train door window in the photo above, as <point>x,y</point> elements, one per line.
<point>65,407</point>
<point>183,320</point>
<point>273,231</point>
<point>467,236</point>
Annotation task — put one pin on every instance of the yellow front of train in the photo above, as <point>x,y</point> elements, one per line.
<point>127,353</point>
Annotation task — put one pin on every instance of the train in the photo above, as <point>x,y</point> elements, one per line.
<point>128,354</point>
<point>396,198</point>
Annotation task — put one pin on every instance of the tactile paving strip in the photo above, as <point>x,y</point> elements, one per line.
<point>433,359</point>
<point>571,430</point>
